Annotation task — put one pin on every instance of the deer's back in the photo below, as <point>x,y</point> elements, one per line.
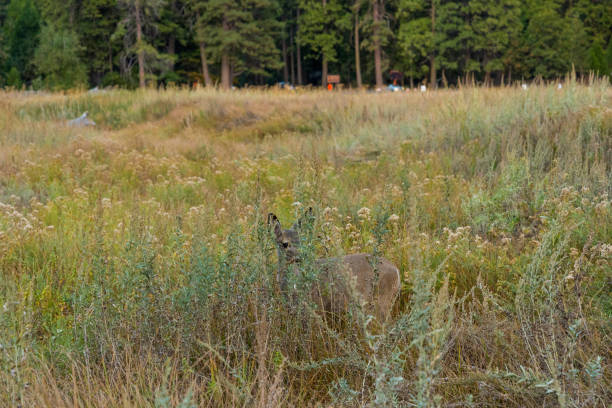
<point>377,280</point>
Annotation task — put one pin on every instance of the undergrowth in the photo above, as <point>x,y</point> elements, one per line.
<point>138,269</point>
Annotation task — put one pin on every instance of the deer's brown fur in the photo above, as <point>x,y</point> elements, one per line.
<point>373,281</point>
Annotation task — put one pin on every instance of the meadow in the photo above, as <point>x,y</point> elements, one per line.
<point>137,269</point>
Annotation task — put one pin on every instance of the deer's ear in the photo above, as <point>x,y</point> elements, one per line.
<point>275,224</point>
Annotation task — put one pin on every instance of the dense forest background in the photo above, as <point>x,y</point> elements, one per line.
<point>53,44</point>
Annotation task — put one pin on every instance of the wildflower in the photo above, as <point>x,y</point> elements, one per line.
<point>80,192</point>
<point>396,191</point>
<point>364,213</point>
<point>394,218</point>
<point>275,179</point>
<point>601,207</point>
<point>565,191</point>
<point>296,204</point>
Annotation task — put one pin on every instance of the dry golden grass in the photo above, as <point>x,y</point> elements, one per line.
<point>137,269</point>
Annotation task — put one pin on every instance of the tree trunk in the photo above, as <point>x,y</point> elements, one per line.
<point>291,56</point>
<point>172,50</point>
<point>432,58</point>
<point>299,51</point>
<point>324,63</point>
<point>376,40</point>
<point>172,40</point>
<point>110,57</point>
<point>285,65</point>
<point>357,59</point>
<point>141,68</point>
<point>324,72</point>
<point>225,72</point>
<point>205,73</point>
<point>432,69</point>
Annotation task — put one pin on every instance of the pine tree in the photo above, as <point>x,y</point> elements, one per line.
<point>13,78</point>
<point>251,40</point>
<point>544,41</point>
<point>377,32</point>
<point>596,16</point>
<point>21,29</point>
<point>494,24</point>
<point>138,28</point>
<point>417,35</point>
<point>241,35</point>
<point>596,59</point>
<point>94,22</point>
<point>57,59</point>
<point>575,42</point>
<point>454,40</point>
<point>322,25</point>
<point>173,32</point>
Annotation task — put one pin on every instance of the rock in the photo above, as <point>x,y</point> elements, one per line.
<point>81,121</point>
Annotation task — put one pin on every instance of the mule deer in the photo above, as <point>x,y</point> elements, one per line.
<point>375,280</point>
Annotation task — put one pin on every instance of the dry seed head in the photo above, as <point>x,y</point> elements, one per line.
<point>364,213</point>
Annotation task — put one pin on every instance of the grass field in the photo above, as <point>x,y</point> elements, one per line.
<point>137,268</point>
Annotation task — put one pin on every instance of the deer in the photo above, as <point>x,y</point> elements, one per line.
<point>372,281</point>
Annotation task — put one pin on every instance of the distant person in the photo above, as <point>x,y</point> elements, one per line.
<point>330,87</point>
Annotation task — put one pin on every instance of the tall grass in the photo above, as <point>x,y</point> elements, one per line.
<point>138,270</point>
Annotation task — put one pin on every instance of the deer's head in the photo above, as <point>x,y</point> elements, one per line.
<point>288,240</point>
